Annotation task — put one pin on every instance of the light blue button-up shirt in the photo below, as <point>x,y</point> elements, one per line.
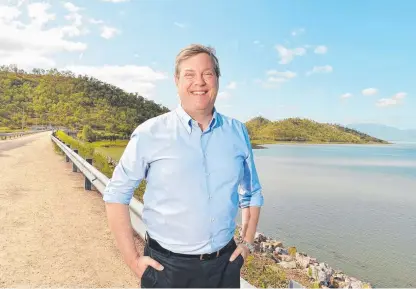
<point>196,180</point>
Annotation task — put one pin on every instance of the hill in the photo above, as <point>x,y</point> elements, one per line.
<point>263,131</point>
<point>43,97</point>
<point>102,111</point>
<point>385,132</point>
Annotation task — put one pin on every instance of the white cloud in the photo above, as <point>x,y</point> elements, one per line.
<point>394,100</point>
<point>180,25</point>
<point>276,79</point>
<point>108,32</point>
<point>38,14</point>
<point>298,31</point>
<point>320,69</point>
<point>131,78</point>
<point>76,28</point>
<point>286,74</point>
<point>369,91</point>
<point>8,13</point>
<point>232,85</point>
<point>256,42</point>
<point>321,49</point>
<point>346,95</point>
<point>32,44</point>
<point>71,7</point>
<point>287,55</point>
<point>400,95</point>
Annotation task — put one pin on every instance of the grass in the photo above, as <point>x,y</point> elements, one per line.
<point>7,130</point>
<point>262,272</point>
<point>113,152</point>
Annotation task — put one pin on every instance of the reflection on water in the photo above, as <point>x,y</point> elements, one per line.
<point>352,206</point>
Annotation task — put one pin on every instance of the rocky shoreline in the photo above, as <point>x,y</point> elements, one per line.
<point>319,273</point>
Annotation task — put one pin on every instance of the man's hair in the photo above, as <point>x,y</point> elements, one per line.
<point>193,50</point>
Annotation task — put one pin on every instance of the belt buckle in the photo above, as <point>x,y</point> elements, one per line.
<point>201,257</point>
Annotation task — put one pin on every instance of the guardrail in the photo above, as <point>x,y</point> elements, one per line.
<point>99,181</point>
<point>11,135</point>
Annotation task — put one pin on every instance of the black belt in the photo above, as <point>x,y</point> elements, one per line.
<point>153,244</point>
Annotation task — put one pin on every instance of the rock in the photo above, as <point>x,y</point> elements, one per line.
<point>259,237</point>
<point>303,260</point>
<point>266,247</point>
<point>281,251</point>
<point>288,265</point>
<point>287,258</point>
<point>292,251</point>
<point>356,284</point>
<point>324,277</point>
<point>321,273</point>
<point>270,247</point>
<point>313,261</point>
<point>276,244</point>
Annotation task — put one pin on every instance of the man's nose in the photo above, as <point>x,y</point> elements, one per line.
<point>199,80</point>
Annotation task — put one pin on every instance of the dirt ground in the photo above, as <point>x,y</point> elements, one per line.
<point>53,233</point>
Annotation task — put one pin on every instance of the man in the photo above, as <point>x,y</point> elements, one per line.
<point>199,169</point>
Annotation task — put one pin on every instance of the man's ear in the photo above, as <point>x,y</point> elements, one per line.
<point>176,79</point>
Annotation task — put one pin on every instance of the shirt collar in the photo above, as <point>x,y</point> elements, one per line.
<point>186,119</point>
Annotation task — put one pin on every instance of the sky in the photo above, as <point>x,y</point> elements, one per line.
<point>330,61</point>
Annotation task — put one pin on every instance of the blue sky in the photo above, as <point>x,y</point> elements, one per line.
<point>331,61</point>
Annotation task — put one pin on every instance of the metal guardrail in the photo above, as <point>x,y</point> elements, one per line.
<point>11,135</point>
<point>100,181</point>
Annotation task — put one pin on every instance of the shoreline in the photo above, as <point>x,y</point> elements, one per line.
<point>257,145</point>
<point>300,266</point>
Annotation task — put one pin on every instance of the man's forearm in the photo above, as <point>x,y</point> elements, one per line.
<point>120,225</point>
<point>250,220</point>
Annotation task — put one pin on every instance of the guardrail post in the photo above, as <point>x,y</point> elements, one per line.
<point>66,156</point>
<point>87,181</point>
<point>74,167</point>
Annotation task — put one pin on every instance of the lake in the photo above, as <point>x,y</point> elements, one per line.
<point>351,206</point>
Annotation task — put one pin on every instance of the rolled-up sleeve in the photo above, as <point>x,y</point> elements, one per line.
<point>128,173</point>
<point>250,189</point>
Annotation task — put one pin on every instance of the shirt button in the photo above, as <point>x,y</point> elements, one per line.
<point>212,220</point>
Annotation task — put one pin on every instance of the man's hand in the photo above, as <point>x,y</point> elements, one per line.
<point>241,249</point>
<point>140,264</point>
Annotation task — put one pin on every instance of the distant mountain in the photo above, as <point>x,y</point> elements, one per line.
<point>385,132</point>
<point>262,131</point>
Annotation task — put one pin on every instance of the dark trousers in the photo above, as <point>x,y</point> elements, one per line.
<point>184,272</point>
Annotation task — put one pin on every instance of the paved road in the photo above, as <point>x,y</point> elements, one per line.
<point>9,144</point>
<point>52,232</point>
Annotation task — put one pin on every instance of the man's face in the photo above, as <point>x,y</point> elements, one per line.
<point>197,83</point>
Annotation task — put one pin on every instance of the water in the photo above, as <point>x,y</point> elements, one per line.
<point>351,206</point>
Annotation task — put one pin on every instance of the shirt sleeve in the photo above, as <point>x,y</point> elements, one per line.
<point>250,190</point>
<point>129,172</point>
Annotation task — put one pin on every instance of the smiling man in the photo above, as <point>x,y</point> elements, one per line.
<point>199,168</point>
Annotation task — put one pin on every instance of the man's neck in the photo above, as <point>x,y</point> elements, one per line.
<point>203,117</point>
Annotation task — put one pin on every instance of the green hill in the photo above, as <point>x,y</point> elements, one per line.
<point>44,97</point>
<point>264,131</point>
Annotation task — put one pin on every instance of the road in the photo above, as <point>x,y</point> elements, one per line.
<point>53,233</point>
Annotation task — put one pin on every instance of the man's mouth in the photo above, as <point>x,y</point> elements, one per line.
<point>199,92</point>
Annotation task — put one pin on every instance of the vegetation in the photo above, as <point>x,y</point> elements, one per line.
<point>263,131</point>
<point>99,160</point>
<point>43,97</point>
